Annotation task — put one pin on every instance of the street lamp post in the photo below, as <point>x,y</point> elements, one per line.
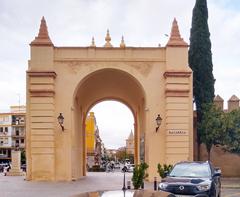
<point>158,121</point>
<point>124,170</point>
<point>60,119</point>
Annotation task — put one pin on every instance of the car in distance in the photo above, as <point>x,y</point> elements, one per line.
<point>199,179</point>
<point>128,168</point>
<point>131,167</point>
<point>117,165</point>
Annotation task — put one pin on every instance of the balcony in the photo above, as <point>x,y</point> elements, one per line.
<point>2,145</point>
<point>2,156</point>
<point>18,136</point>
<point>18,123</point>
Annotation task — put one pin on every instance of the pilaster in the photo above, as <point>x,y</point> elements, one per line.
<point>41,121</point>
<point>178,94</point>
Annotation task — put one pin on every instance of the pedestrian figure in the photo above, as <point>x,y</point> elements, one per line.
<point>6,169</point>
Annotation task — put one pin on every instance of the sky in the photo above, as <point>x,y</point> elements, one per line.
<point>115,122</point>
<point>141,22</point>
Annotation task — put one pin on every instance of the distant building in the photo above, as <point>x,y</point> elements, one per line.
<point>94,144</point>
<point>12,131</point>
<point>130,144</point>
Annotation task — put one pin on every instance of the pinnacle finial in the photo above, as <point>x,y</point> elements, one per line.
<point>43,37</point>
<point>122,44</point>
<point>93,43</point>
<point>108,39</point>
<point>175,37</point>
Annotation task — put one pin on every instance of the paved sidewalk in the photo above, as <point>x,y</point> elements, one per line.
<point>231,183</point>
<point>95,181</point>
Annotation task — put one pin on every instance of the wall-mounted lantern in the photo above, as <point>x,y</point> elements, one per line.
<point>158,121</point>
<point>60,121</point>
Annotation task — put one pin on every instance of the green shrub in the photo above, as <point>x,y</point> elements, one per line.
<point>139,174</point>
<point>163,169</point>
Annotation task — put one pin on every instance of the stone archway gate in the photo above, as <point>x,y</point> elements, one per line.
<point>69,80</point>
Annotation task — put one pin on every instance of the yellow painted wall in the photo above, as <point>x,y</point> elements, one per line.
<point>90,133</point>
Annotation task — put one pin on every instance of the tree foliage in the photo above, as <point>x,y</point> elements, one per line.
<point>219,128</point>
<point>232,128</point>
<point>200,59</point>
<point>212,127</point>
<point>200,55</point>
<point>121,155</point>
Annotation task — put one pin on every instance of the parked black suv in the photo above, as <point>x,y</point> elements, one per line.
<point>198,179</point>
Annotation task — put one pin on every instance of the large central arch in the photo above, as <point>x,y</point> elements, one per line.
<point>70,80</point>
<point>108,84</point>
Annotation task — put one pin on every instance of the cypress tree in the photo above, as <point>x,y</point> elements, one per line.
<point>200,60</point>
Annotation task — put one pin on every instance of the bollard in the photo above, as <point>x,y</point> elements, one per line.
<point>155,183</point>
<point>128,184</point>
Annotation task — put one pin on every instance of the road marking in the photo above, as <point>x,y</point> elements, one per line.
<point>232,195</point>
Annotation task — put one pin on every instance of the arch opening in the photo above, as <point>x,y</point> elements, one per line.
<point>109,136</point>
<point>106,84</point>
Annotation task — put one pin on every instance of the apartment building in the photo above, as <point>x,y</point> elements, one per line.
<point>12,131</point>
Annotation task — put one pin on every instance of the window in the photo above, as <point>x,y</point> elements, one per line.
<point>6,119</point>
<point>1,129</point>
<point>22,141</point>
<point>17,132</point>
<point>6,141</point>
<point>6,129</point>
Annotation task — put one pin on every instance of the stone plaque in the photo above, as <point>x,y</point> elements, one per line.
<point>177,132</point>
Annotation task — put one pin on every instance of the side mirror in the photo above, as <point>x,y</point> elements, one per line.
<point>217,172</point>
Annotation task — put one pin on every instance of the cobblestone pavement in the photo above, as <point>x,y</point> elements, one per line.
<point>18,187</point>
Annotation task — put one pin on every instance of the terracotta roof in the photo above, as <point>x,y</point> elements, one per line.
<point>218,98</point>
<point>234,98</point>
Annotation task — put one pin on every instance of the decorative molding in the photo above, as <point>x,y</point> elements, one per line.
<point>42,74</point>
<point>76,65</point>
<point>177,74</point>
<point>41,93</point>
<point>142,67</point>
<point>177,92</point>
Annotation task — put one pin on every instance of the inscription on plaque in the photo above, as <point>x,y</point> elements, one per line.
<point>177,132</point>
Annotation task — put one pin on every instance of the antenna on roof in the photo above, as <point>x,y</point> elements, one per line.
<point>18,102</point>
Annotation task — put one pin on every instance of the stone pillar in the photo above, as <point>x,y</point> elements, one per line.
<point>233,103</point>
<point>218,101</point>
<point>16,164</point>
